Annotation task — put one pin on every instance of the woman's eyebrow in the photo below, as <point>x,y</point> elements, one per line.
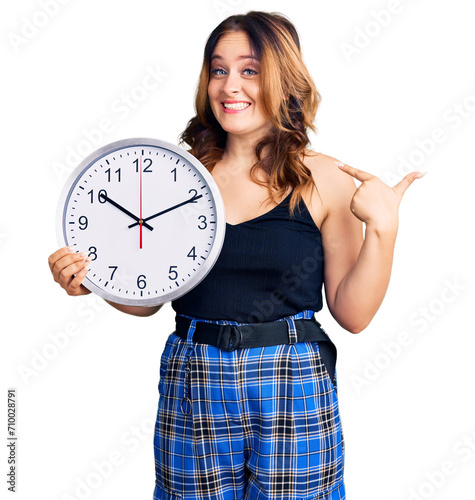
<point>217,56</point>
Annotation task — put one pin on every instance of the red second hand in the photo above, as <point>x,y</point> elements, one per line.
<point>140,221</point>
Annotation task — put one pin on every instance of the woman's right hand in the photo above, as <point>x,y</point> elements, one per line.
<point>69,270</point>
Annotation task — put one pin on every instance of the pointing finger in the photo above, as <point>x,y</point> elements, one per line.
<point>354,172</point>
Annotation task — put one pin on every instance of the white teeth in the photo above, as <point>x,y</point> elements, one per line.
<point>236,105</point>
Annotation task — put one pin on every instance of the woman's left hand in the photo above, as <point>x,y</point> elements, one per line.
<point>374,202</point>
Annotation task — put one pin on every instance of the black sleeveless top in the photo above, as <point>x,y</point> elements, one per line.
<point>269,267</point>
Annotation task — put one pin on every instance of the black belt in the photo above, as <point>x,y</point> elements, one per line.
<point>243,336</point>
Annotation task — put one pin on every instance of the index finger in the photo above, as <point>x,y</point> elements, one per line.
<point>361,175</point>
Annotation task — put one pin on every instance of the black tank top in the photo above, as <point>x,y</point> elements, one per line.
<point>269,267</point>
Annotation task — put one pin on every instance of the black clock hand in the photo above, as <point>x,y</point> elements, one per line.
<point>191,200</point>
<point>122,209</point>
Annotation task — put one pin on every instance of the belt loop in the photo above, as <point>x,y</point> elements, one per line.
<point>308,314</point>
<point>292,331</point>
<point>191,332</point>
<point>186,404</point>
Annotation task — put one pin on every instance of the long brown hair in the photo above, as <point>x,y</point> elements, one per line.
<point>289,98</point>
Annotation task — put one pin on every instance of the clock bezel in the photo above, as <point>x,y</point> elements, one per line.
<point>220,226</point>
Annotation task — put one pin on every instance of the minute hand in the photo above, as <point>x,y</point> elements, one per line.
<point>191,200</point>
<point>122,209</point>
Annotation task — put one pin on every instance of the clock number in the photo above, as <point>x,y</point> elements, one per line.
<point>82,222</point>
<point>203,221</point>
<point>172,274</point>
<point>195,192</point>
<point>102,193</point>
<point>114,269</point>
<point>141,283</point>
<point>148,164</point>
<point>174,174</point>
<point>146,169</point>
<point>93,251</point>
<point>102,196</point>
<point>108,172</point>
<point>192,253</point>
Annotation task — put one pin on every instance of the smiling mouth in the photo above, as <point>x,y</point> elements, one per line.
<point>236,106</point>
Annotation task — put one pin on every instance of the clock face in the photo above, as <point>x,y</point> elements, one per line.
<point>150,217</point>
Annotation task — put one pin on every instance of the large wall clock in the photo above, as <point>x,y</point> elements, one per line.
<point>150,217</point>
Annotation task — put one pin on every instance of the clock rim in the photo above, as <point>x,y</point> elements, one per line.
<point>220,228</point>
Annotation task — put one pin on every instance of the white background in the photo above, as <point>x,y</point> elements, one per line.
<point>392,75</point>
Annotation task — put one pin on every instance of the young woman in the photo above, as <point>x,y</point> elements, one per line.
<point>248,406</point>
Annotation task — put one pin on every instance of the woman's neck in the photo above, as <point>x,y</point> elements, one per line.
<point>240,152</point>
<point>240,148</point>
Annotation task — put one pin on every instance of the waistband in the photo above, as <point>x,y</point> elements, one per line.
<point>230,336</point>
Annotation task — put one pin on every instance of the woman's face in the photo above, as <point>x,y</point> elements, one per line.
<point>233,88</point>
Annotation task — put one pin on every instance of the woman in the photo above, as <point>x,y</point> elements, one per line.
<point>255,415</point>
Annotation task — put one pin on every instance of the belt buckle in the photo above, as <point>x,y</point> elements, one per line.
<point>232,341</point>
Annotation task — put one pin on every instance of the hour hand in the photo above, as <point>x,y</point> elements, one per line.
<point>122,209</point>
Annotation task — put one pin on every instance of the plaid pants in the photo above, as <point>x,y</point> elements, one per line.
<point>251,424</point>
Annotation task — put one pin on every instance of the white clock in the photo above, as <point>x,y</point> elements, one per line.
<point>150,217</point>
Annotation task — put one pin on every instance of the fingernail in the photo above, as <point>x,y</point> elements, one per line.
<point>420,175</point>
<point>70,249</point>
<point>339,163</point>
<point>82,255</point>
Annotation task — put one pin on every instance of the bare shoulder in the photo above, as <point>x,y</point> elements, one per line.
<point>334,186</point>
<point>326,173</point>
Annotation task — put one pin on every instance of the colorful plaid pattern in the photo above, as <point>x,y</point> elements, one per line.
<point>259,423</point>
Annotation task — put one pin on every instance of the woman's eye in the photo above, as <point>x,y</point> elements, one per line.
<point>222,72</point>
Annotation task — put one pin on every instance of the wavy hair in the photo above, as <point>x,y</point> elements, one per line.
<point>289,98</point>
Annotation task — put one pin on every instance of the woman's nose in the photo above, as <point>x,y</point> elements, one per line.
<point>231,84</point>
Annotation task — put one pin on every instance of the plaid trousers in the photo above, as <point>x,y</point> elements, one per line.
<point>260,423</point>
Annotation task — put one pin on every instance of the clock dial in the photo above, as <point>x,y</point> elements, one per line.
<point>150,217</point>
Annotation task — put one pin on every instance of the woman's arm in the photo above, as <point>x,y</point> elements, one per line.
<point>135,310</point>
<point>355,298</point>
<point>357,270</point>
